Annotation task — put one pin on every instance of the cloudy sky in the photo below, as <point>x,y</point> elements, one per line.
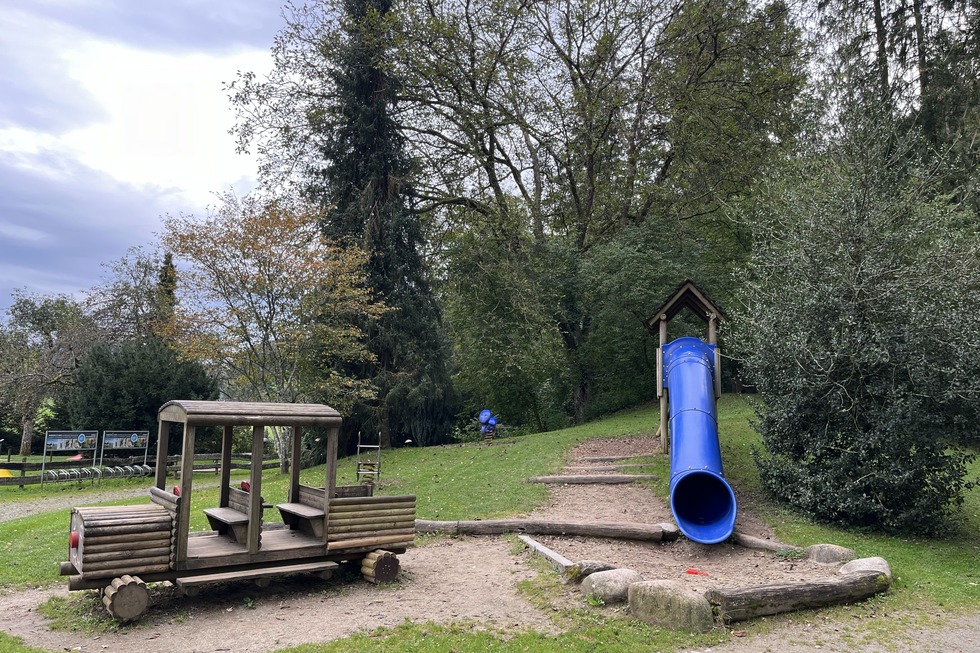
<point>112,114</point>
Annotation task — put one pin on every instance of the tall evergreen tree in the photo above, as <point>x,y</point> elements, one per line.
<point>366,180</point>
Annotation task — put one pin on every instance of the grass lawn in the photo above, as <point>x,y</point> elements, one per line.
<point>470,481</point>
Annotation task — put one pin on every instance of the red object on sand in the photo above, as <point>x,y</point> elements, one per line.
<point>696,572</point>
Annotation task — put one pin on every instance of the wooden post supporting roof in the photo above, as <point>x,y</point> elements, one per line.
<point>687,295</point>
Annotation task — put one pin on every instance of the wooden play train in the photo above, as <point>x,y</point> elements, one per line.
<point>118,549</point>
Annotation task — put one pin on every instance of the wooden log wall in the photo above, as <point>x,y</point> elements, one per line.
<point>117,540</point>
<point>371,522</point>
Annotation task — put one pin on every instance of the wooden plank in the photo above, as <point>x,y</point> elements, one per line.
<point>301,510</point>
<point>126,566</point>
<point>126,529</point>
<point>108,573</point>
<point>162,541</point>
<point>149,522</point>
<point>405,533</point>
<point>125,554</point>
<point>372,542</point>
<point>557,560</point>
<point>262,572</point>
<point>370,515</point>
<point>99,540</point>
<point>338,502</point>
<point>378,525</point>
<point>740,603</point>
<point>228,516</point>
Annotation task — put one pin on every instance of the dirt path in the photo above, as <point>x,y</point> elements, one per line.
<point>472,579</point>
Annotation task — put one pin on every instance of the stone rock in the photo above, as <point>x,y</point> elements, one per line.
<point>577,572</point>
<point>829,554</point>
<point>668,604</point>
<point>611,586</point>
<point>868,564</point>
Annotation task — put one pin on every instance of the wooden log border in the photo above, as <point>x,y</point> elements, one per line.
<point>741,603</point>
<point>626,531</point>
<point>594,479</point>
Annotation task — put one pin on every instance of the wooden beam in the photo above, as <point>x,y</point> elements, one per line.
<point>225,465</point>
<point>163,444</point>
<point>330,482</point>
<point>255,492</point>
<point>294,463</point>
<point>186,479</point>
<point>557,560</point>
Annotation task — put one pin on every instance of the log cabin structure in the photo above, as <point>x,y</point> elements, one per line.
<point>119,549</point>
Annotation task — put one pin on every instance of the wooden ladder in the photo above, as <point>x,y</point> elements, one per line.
<point>368,461</point>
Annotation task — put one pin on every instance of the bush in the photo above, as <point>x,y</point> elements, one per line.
<point>856,321</point>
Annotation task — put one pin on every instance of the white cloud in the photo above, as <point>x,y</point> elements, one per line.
<point>168,118</point>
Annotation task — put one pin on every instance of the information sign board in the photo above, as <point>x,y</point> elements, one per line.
<point>115,440</point>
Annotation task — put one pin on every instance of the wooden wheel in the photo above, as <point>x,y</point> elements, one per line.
<point>380,567</point>
<point>126,598</point>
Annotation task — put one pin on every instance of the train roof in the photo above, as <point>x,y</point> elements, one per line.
<point>248,413</point>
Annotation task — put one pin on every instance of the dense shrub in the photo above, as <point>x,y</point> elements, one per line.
<point>857,323</point>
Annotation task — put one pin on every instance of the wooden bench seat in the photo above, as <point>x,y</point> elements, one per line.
<point>299,516</point>
<point>230,521</point>
<point>306,514</point>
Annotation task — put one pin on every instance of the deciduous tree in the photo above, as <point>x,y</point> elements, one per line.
<point>263,292</point>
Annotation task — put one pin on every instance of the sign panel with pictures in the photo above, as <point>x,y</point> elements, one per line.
<point>116,440</point>
<point>70,440</point>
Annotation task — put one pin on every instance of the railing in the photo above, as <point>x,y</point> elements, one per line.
<point>66,471</point>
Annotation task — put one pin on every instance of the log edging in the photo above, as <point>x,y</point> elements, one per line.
<point>627,531</point>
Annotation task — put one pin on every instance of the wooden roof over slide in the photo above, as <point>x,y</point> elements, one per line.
<point>247,413</point>
<point>687,295</point>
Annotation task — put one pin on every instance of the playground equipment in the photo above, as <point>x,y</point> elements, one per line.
<point>488,425</point>
<point>689,384</point>
<point>118,549</point>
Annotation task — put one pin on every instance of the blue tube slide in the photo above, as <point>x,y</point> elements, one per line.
<point>700,498</point>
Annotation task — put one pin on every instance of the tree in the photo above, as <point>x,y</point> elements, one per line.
<point>41,347</point>
<point>855,306</point>
<point>358,167</point>
<point>136,298</point>
<point>262,293</point>
<point>122,385</point>
<point>550,128</point>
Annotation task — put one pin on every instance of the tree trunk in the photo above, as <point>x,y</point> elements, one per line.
<point>26,434</point>
<point>882,55</point>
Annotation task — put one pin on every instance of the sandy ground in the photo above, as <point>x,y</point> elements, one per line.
<point>474,580</point>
